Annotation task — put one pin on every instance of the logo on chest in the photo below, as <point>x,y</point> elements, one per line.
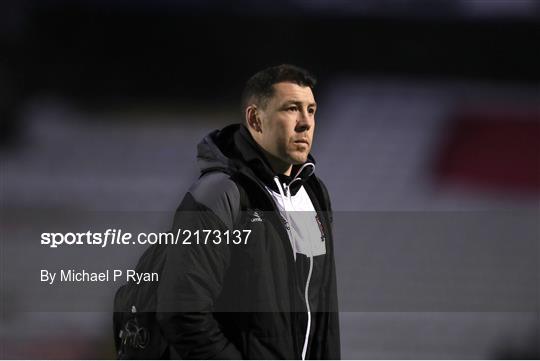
<point>255,217</point>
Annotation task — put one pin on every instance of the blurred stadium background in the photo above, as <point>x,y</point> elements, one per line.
<point>423,106</point>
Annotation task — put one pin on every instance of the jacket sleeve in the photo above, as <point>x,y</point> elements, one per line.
<point>192,277</point>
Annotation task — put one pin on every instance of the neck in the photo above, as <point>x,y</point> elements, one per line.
<point>278,166</point>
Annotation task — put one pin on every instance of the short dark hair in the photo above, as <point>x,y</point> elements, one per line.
<point>259,88</point>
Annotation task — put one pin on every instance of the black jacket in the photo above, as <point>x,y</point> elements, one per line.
<point>245,301</point>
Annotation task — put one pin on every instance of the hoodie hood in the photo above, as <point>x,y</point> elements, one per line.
<point>233,149</point>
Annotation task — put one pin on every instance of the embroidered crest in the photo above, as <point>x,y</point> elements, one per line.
<point>323,237</point>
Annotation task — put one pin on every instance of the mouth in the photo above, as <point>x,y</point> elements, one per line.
<point>301,141</point>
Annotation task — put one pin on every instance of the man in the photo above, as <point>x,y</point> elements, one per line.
<point>274,295</point>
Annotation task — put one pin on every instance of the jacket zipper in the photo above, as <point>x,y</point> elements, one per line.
<point>284,235</point>
<point>306,290</point>
<point>280,227</point>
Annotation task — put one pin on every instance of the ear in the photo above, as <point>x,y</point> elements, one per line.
<point>252,118</point>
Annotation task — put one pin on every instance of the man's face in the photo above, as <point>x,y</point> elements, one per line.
<point>288,123</point>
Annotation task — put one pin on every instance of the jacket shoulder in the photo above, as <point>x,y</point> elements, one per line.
<point>219,193</point>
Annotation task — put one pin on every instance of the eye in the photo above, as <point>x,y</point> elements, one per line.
<point>311,110</point>
<point>292,108</point>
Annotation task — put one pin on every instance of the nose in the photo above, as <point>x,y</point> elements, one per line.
<point>305,121</point>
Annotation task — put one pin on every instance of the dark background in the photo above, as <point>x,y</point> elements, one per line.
<point>111,51</point>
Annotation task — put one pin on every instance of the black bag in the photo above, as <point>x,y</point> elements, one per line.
<point>136,332</point>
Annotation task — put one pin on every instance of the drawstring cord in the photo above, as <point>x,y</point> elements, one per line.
<point>306,295</point>
<point>285,193</point>
<point>297,176</point>
<point>289,223</point>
